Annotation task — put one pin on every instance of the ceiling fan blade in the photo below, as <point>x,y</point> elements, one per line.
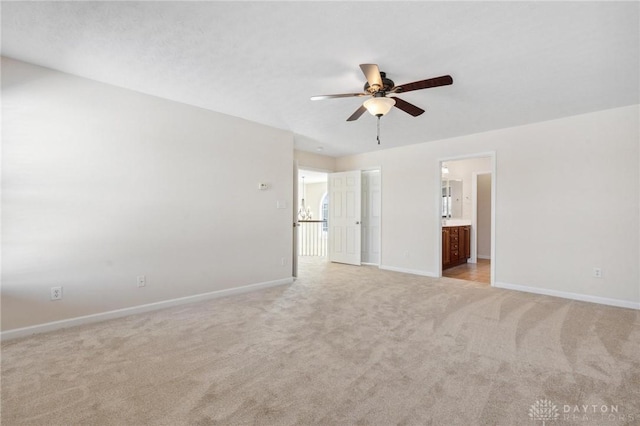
<point>342,95</point>
<point>357,114</point>
<point>407,107</point>
<point>445,80</point>
<point>372,72</point>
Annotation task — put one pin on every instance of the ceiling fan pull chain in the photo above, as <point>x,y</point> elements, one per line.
<point>378,137</point>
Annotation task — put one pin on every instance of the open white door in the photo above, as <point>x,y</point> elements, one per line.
<point>344,217</point>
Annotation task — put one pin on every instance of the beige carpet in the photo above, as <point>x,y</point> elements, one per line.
<point>342,345</point>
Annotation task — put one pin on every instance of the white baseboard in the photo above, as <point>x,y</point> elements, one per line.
<point>483,257</point>
<point>574,296</point>
<point>118,313</point>
<point>409,271</point>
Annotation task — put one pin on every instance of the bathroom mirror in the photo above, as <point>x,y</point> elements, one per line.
<point>452,198</point>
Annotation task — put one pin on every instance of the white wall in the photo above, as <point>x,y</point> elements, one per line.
<point>317,162</point>
<point>315,192</point>
<point>102,184</point>
<point>567,201</point>
<point>463,170</point>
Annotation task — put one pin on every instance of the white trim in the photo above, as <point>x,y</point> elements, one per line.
<point>494,194</point>
<point>294,232</point>
<point>484,257</point>
<point>474,218</point>
<point>118,313</point>
<point>438,234</point>
<point>573,296</point>
<point>409,271</point>
<point>379,168</point>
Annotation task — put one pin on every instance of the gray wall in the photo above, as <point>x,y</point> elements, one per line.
<point>484,216</point>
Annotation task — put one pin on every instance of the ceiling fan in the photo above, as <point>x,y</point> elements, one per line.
<point>377,88</point>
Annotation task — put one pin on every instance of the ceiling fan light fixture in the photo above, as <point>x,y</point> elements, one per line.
<point>379,105</point>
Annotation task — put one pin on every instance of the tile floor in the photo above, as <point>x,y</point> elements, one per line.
<point>478,272</point>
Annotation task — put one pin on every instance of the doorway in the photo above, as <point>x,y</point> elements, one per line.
<point>311,214</point>
<point>467,200</point>
<point>337,217</point>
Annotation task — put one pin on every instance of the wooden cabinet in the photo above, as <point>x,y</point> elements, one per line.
<point>456,245</point>
<point>446,247</point>
<point>465,238</point>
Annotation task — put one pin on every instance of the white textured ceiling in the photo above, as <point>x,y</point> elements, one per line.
<point>512,62</point>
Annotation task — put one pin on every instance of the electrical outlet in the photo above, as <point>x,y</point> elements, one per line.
<point>142,281</point>
<point>56,293</point>
<point>283,261</point>
<point>597,272</point>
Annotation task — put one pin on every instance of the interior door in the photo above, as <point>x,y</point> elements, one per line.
<point>344,217</point>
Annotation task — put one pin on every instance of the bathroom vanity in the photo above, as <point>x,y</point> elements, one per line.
<point>456,245</point>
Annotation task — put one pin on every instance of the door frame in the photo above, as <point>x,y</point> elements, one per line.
<point>294,204</point>
<point>438,204</point>
<point>297,166</point>
<point>379,170</point>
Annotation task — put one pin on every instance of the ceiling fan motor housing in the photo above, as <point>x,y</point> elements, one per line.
<point>387,85</point>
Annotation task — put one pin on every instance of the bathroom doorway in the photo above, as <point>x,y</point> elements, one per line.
<point>467,218</point>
